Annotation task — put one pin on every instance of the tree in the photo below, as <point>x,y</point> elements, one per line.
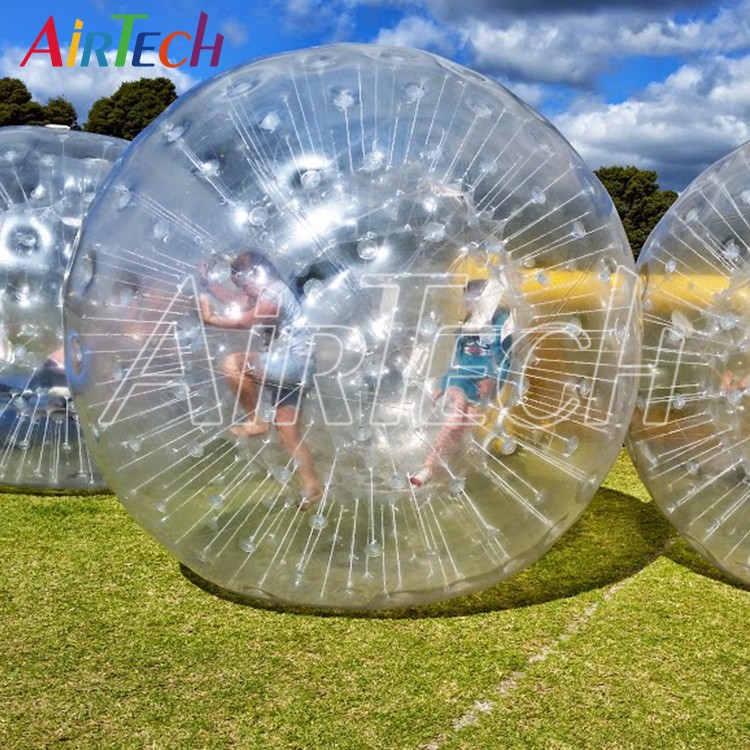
<point>639,200</point>
<point>59,111</point>
<point>16,105</point>
<point>18,108</point>
<point>131,108</point>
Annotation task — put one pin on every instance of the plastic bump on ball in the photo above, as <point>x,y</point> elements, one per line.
<point>346,328</point>
<point>690,438</point>
<point>48,178</point>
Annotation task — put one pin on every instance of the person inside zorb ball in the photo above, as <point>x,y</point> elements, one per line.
<point>346,329</point>
<point>477,370</point>
<point>266,302</point>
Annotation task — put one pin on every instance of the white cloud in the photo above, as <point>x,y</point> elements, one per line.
<point>725,32</point>
<point>235,31</point>
<point>82,86</point>
<point>530,93</point>
<point>551,51</point>
<point>545,41</point>
<point>316,15</point>
<point>678,126</point>
<point>576,49</point>
<point>414,31</point>
<point>451,10</point>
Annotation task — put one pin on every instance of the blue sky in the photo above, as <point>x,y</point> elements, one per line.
<point>662,85</point>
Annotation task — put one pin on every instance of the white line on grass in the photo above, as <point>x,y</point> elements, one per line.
<point>511,682</point>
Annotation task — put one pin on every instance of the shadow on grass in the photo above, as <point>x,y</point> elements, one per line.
<point>616,537</point>
<point>9,489</point>
<point>682,553</point>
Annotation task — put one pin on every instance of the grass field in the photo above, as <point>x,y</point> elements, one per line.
<point>620,637</point>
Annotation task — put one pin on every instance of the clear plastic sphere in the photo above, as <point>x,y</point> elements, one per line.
<point>690,438</point>
<point>282,275</point>
<point>48,178</point>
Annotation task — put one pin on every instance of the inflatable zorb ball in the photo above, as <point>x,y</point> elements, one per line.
<point>48,178</point>
<point>345,329</point>
<point>690,438</point>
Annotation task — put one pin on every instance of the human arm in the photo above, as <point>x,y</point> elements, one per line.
<point>502,343</point>
<point>219,291</point>
<point>486,388</point>
<point>224,295</point>
<point>264,311</point>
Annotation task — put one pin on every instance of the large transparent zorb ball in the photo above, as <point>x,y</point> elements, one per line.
<point>48,178</point>
<point>690,438</point>
<point>281,278</point>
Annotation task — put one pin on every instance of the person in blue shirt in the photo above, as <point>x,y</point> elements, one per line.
<point>479,366</point>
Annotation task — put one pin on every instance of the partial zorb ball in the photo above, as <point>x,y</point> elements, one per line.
<point>48,178</point>
<point>690,438</point>
<point>346,329</point>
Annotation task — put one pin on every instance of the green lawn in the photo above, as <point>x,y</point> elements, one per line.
<point>620,637</point>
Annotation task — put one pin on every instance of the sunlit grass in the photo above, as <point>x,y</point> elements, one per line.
<point>619,637</point>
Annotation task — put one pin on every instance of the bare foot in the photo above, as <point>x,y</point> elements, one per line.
<point>250,428</point>
<point>420,478</point>
<point>311,496</point>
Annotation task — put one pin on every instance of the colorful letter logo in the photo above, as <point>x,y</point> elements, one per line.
<point>98,43</point>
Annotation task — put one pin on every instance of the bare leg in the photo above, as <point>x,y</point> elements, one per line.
<point>462,417</point>
<point>727,381</point>
<point>290,434</point>
<point>234,369</point>
<point>58,357</point>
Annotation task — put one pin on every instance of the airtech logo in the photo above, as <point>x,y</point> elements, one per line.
<point>174,48</point>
